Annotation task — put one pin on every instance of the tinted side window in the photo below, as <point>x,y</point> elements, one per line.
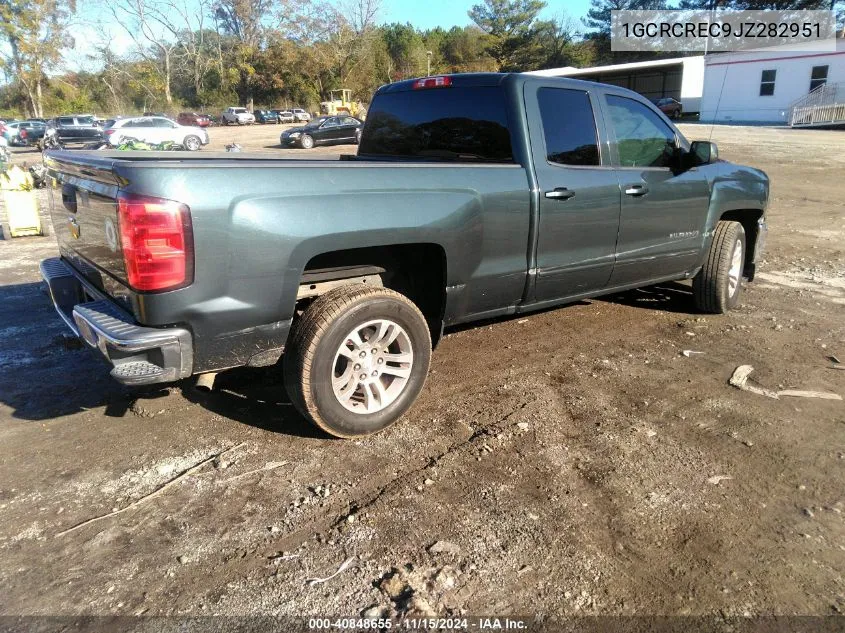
<point>568,126</point>
<point>467,124</point>
<point>642,138</point>
<point>66,120</point>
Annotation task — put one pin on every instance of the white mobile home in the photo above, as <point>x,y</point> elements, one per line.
<point>681,78</point>
<point>759,86</point>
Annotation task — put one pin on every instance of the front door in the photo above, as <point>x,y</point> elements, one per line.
<point>663,208</point>
<point>329,130</point>
<point>579,193</point>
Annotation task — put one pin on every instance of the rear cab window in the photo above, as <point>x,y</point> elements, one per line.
<point>569,127</point>
<point>455,123</point>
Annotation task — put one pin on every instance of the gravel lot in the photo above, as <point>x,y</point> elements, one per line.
<point>570,462</point>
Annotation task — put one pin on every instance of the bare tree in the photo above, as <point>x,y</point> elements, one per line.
<point>150,25</point>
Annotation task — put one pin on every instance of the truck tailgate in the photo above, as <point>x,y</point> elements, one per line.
<point>83,206</point>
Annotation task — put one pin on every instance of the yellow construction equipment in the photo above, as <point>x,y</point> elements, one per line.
<point>21,206</point>
<point>340,102</point>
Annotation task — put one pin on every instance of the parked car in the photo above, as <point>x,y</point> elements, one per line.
<point>12,132</point>
<point>285,116</point>
<point>472,196</point>
<point>670,107</point>
<point>156,129</point>
<point>266,116</point>
<point>193,119</point>
<point>324,130</point>
<point>300,115</point>
<point>241,116</point>
<point>76,128</point>
<point>31,132</point>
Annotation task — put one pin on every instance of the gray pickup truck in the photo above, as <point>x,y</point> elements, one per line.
<point>471,196</point>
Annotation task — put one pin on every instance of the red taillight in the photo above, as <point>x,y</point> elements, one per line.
<point>23,132</point>
<point>432,82</point>
<point>157,240</point>
<point>108,132</point>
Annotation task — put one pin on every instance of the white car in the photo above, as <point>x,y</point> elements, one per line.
<point>241,116</point>
<point>285,116</point>
<point>301,115</point>
<point>156,129</point>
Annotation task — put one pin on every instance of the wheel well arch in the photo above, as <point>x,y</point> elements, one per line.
<point>416,270</point>
<point>749,219</point>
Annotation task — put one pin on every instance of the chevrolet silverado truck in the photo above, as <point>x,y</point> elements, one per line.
<point>471,197</point>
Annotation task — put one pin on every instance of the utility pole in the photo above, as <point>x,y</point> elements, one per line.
<point>428,55</point>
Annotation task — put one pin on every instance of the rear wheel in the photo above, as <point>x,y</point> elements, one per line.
<point>192,143</point>
<point>358,358</point>
<point>306,141</point>
<point>718,285</point>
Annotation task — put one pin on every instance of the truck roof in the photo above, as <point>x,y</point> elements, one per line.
<point>496,79</point>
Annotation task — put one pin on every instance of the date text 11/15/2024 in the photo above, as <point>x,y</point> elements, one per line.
<point>422,624</point>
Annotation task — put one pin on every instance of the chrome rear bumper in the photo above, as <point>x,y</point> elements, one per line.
<point>139,355</point>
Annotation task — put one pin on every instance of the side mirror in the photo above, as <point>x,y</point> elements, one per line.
<point>704,152</point>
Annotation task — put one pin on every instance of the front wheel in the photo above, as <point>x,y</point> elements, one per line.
<point>717,286</point>
<point>306,142</point>
<point>357,359</point>
<point>192,143</point>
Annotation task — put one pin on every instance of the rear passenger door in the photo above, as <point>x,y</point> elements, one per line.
<point>579,192</point>
<point>348,125</point>
<point>663,207</point>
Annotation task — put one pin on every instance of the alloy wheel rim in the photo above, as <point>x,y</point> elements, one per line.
<point>735,271</point>
<point>372,367</point>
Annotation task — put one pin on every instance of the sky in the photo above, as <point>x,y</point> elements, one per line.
<point>426,14</point>
<point>423,14</point>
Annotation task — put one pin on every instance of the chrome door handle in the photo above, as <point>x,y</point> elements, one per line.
<point>636,190</point>
<point>560,193</point>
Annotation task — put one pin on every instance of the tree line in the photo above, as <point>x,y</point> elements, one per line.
<point>208,54</point>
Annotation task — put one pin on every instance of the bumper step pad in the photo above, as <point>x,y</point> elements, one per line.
<point>139,372</point>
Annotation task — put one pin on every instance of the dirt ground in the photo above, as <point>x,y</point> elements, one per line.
<point>565,463</point>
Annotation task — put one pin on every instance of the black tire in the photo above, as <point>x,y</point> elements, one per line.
<point>306,141</point>
<point>309,361</point>
<point>192,143</point>
<point>711,286</point>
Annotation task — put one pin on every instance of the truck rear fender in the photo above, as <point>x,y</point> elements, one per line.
<point>417,270</point>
